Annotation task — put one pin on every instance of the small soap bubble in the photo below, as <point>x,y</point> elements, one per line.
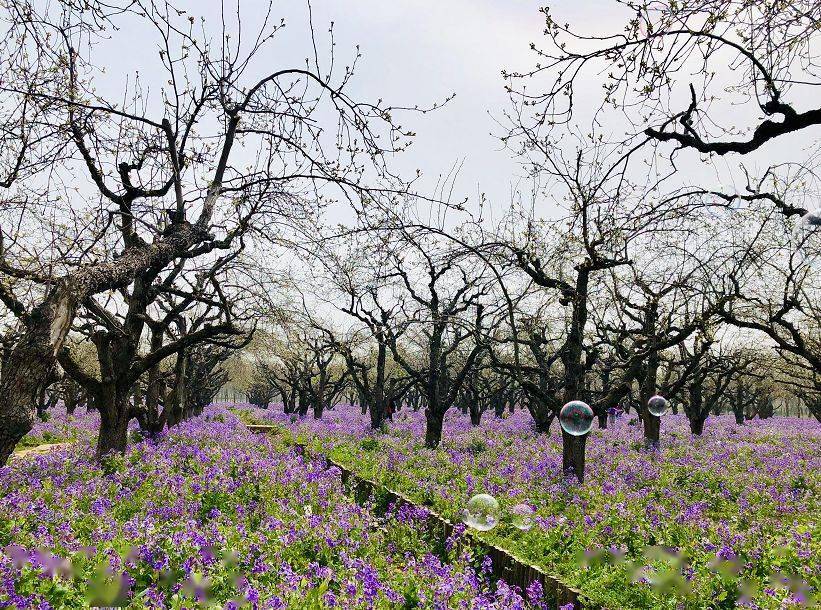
<point>576,418</point>
<point>521,517</point>
<point>481,513</point>
<point>658,405</point>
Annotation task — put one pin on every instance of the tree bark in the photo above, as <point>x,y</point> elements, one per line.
<point>149,416</point>
<point>175,405</point>
<point>695,409</point>
<point>30,366</point>
<point>32,362</point>
<point>738,405</point>
<point>652,423</point>
<point>377,400</point>
<point>114,417</point>
<point>541,414</point>
<point>573,455</point>
<point>573,447</point>
<point>70,403</point>
<point>697,425</point>
<point>433,428</point>
<point>303,406</point>
<point>542,424</point>
<point>319,408</point>
<point>652,428</point>
<point>138,396</point>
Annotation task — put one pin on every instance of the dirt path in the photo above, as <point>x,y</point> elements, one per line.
<point>38,450</point>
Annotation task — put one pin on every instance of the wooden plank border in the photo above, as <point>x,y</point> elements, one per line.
<point>505,565</point>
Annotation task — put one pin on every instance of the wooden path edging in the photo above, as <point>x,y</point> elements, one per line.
<point>505,565</point>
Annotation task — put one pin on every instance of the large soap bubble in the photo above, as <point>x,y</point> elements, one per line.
<point>812,219</point>
<point>658,405</point>
<point>809,223</point>
<point>521,517</point>
<point>576,418</point>
<point>481,513</point>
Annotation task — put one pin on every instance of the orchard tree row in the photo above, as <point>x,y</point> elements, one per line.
<point>150,220</point>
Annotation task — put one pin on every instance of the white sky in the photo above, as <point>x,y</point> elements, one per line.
<point>414,52</point>
<point>421,51</point>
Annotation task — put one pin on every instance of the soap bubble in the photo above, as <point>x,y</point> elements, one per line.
<point>481,513</point>
<point>576,418</point>
<point>809,223</point>
<point>521,517</point>
<point>811,219</point>
<point>658,405</point>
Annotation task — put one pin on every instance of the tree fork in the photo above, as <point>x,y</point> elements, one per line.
<point>33,360</point>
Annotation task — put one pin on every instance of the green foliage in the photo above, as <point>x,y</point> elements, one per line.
<point>476,446</point>
<point>113,463</point>
<point>369,444</point>
<point>313,599</point>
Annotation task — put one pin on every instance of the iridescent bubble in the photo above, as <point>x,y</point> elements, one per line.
<point>811,219</point>
<point>521,517</point>
<point>481,513</point>
<point>576,418</point>
<point>658,405</point>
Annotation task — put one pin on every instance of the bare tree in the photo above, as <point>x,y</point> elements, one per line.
<point>777,296</point>
<point>215,157</point>
<point>665,82</point>
<point>206,374</point>
<point>487,388</point>
<point>327,377</point>
<point>364,294</point>
<point>442,312</point>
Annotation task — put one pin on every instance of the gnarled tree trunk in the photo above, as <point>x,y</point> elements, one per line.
<point>573,454</point>
<point>174,411</point>
<point>541,413</point>
<point>31,365</point>
<point>573,447</point>
<point>115,413</point>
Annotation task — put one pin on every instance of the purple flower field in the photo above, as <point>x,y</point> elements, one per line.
<point>381,305</point>
<point>214,516</point>
<point>728,519</point>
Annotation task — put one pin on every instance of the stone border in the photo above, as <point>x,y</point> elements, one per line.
<point>505,565</point>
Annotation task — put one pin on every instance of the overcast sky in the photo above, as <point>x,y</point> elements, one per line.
<point>421,51</point>
<point>414,52</point>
